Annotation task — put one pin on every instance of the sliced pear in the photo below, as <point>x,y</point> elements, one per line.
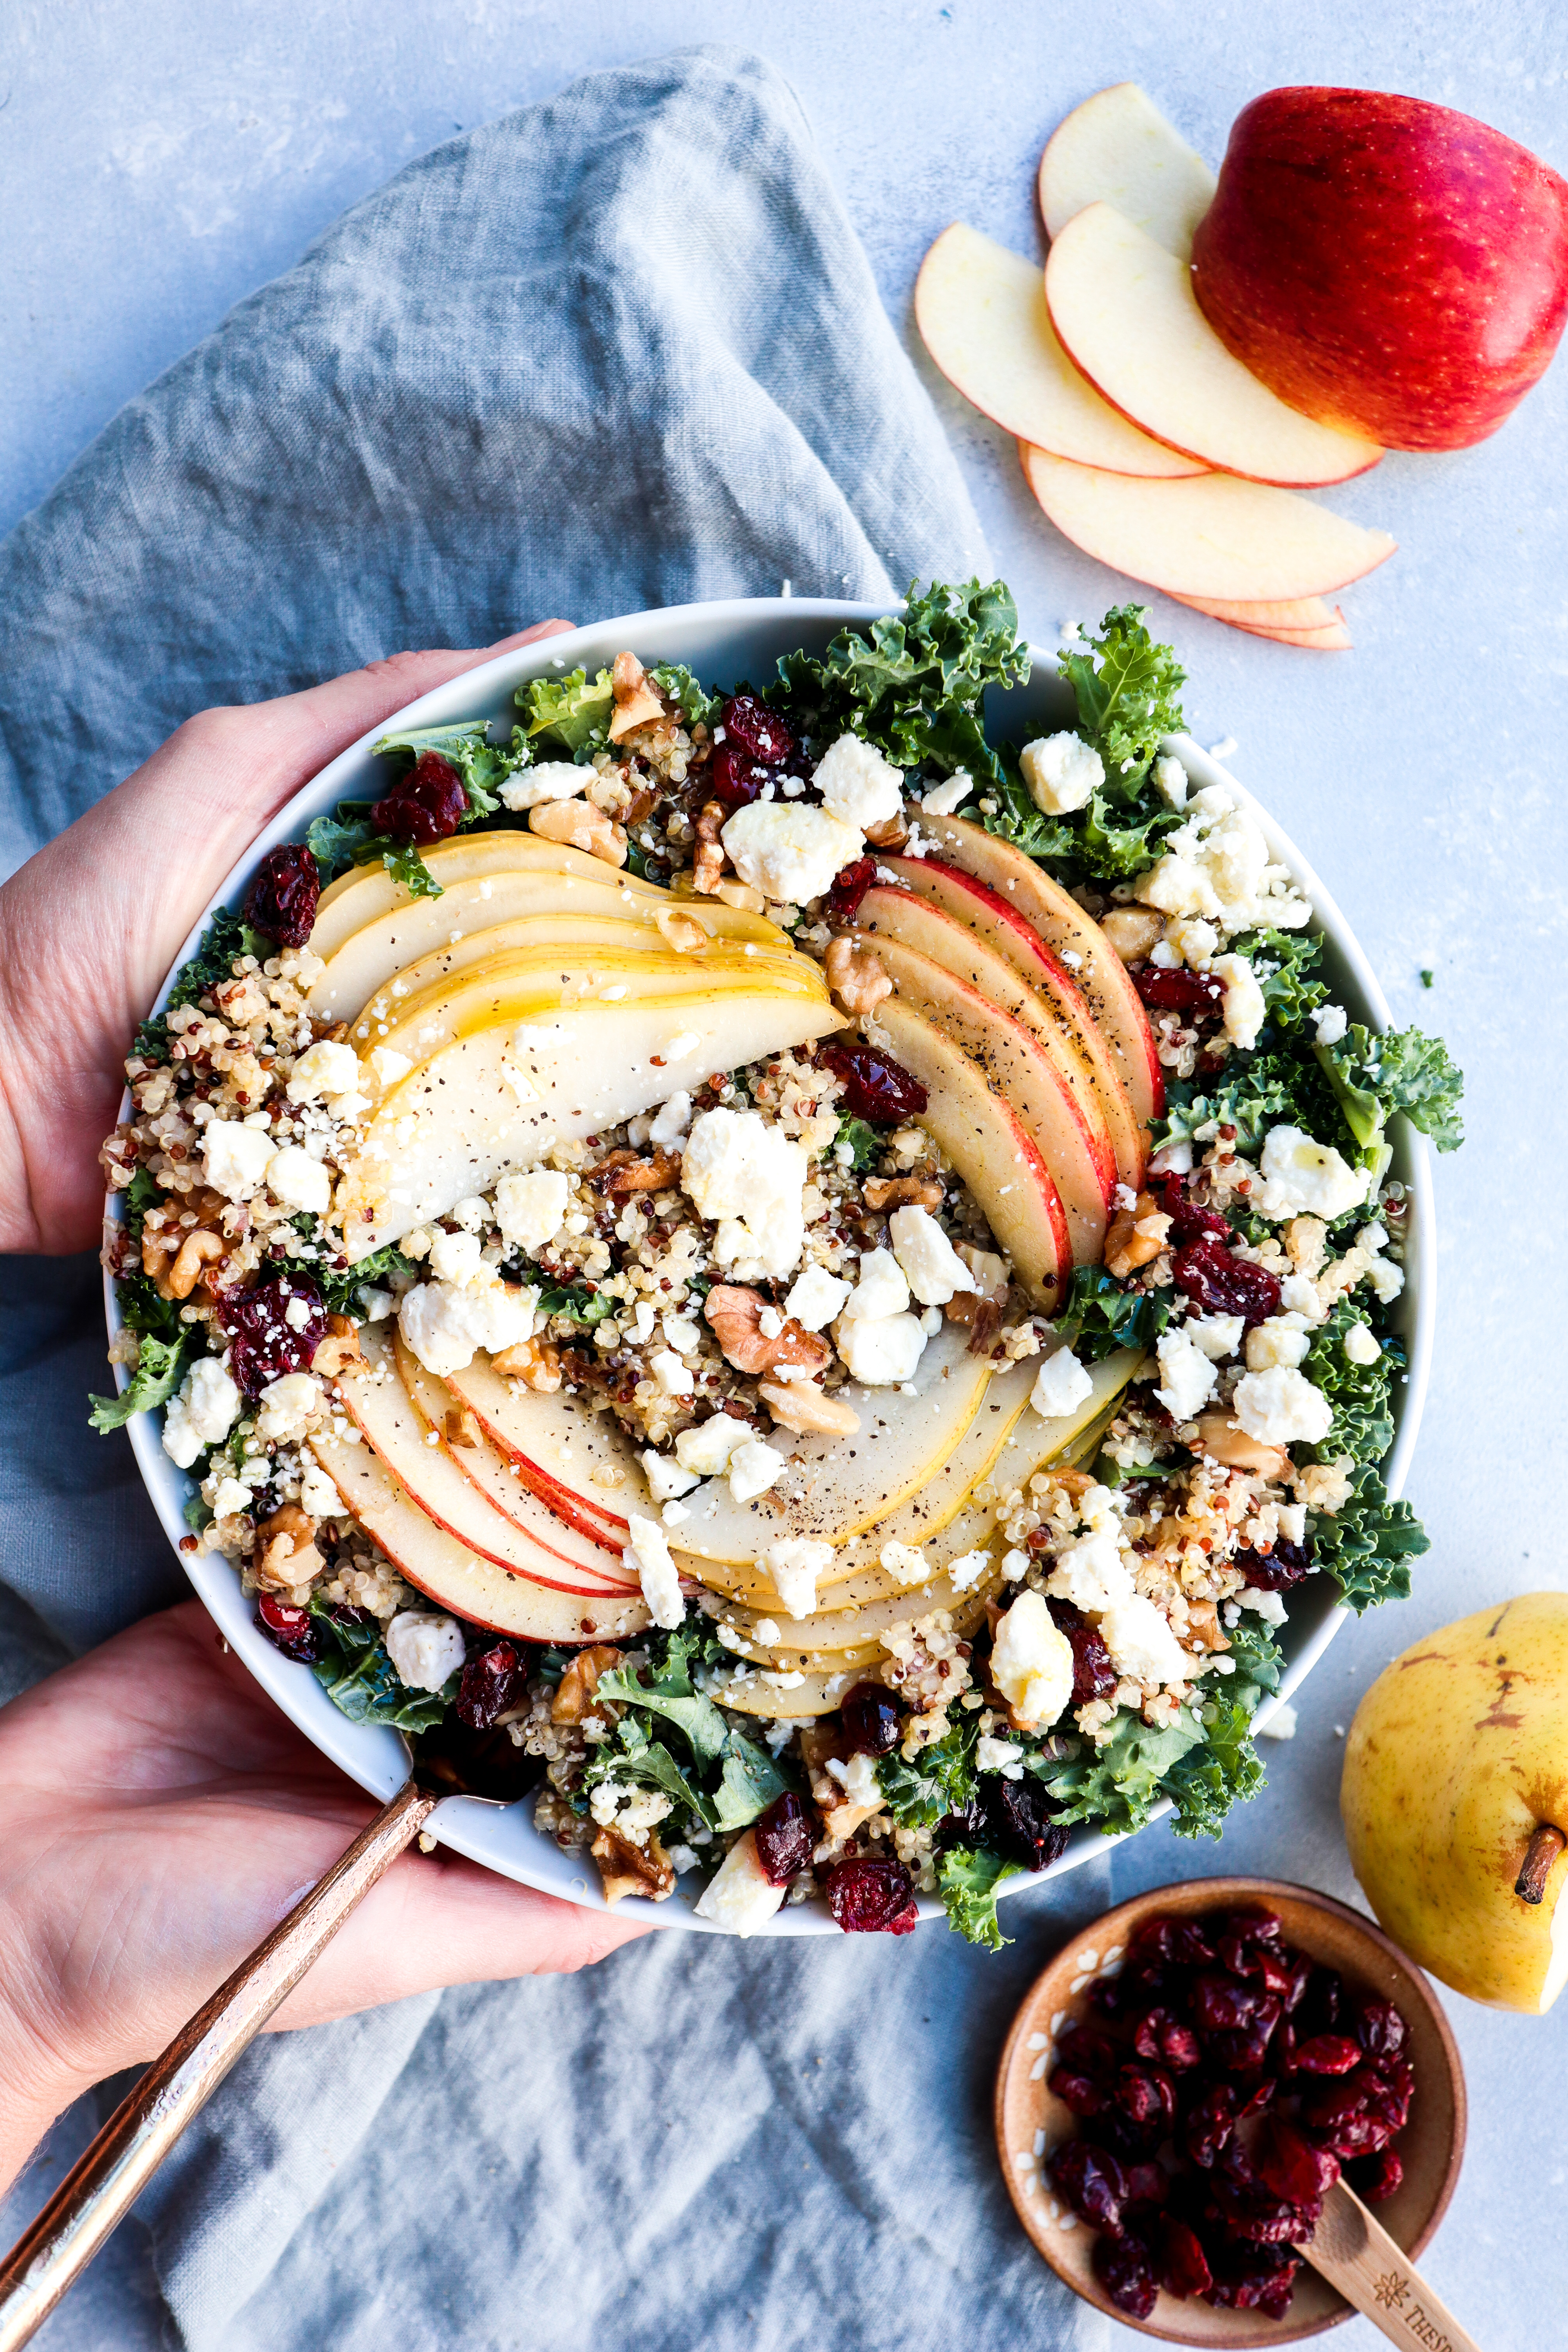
<point>1068,932</point>
<point>1016,1066</point>
<point>1117,148</point>
<point>560,1447</point>
<point>497,1100</point>
<point>778,1691</point>
<point>963,924</point>
<point>992,1151</point>
<point>383,949</point>
<point>549,1551</point>
<point>1127,316</point>
<point>452,1575</point>
<point>984,317</point>
<point>367,892</point>
<point>859,1626</point>
<point>1212,537</point>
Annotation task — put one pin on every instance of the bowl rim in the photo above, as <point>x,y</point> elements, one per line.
<point>1227,1890</point>
<point>375,1756</point>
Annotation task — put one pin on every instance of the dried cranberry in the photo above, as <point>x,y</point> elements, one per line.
<point>1373,2178</point>
<point>427,804</point>
<point>1115,2130</point>
<point>1125,2269</point>
<point>293,1630</point>
<point>1209,2125</point>
<point>842,903</point>
<point>1253,1924</point>
<point>1252,2278</point>
<point>283,895</point>
<point>1301,1978</point>
<point>1357,2134</point>
<point>1225,2004</point>
<point>1078,2092</point>
<point>1163,2037</point>
<point>1088,2049</point>
<point>754,726</point>
<point>1278,1569</point>
<point>783,1838</point>
<point>1019,1824</point>
<point>1323,2003</point>
<point>1262,2220</point>
<point>1147,2184</point>
<point>1180,1940</point>
<point>1328,2054</point>
<point>871,1716</point>
<point>1328,2103</point>
<point>1244,2049</point>
<point>735,779</point>
<point>1091,2181</point>
<point>1146,2095</point>
<point>1287,2163</point>
<point>1388,2092</point>
<point>1177,990</point>
<point>876,1087</point>
<point>1378,2027</point>
<point>1260,2097</point>
<point>1183,2264</point>
<point>1223,1285</point>
<point>1093,1675</point>
<point>868,1897</point>
<point>492,1681</point>
<point>263,1344</point>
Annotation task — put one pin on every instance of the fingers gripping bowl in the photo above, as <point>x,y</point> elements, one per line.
<point>958,1071</point>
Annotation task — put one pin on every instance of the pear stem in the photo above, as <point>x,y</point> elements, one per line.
<point>1545,1845</point>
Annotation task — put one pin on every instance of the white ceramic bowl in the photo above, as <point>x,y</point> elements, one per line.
<point>723,644</point>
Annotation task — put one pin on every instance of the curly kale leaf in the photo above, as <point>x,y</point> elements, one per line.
<point>667,1692</point>
<point>568,714</point>
<point>967,1878</point>
<point>341,1286</point>
<point>144,1309</point>
<point>360,1680</point>
<point>1100,1317</point>
<point>157,1375</point>
<point>1373,1076</point>
<point>483,766</point>
<point>1284,964</point>
<point>579,1299</point>
<point>1117,1786</point>
<point>940,1780</point>
<point>225,939</point>
<point>349,839</point>
<point>1367,1544</point>
<point>1204,1783</point>
<point>864,1143</point>
<point>1267,1089</point>
<point>748,1784</point>
<point>1363,1419</point>
<point>677,685</point>
<point>648,1763</point>
<point>142,1193</point>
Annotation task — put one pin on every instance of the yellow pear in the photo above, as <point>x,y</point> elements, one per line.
<point>1455,1800</point>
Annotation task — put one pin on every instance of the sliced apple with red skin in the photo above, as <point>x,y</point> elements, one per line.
<point>549,1551</point>
<point>1117,148</point>
<point>1014,1064</point>
<point>556,1445</point>
<point>992,1149</point>
<point>1335,640</point>
<point>983,316</point>
<point>448,1573</point>
<point>1060,1023</point>
<point>381,952</point>
<point>497,1100</point>
<point>1214,537</point>
<point>365,893</point>
<point>1075,939</point>
<point>1127,316</point>
<point>1306,615</point>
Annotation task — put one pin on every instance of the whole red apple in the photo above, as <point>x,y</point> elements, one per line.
<point>1388,267</point>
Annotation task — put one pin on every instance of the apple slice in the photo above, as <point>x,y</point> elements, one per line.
<point>1336,640</point>
<point>459,1580</point>
<point>548,1550</point>
<point>497,1099</point>
<point>367,892</point>
<point>573,1459</point>
<point>1075,939</point>
<point>1018,1068</point>
<point>380,951</point>
<point>1305,613</point>
<point>959,922</point>
<point>992,1149</point>
<point>1127,316</point>
<point>1214,537</point>
<point>836,1486</point>
<point>983,315</point>
<point>1117,148</point>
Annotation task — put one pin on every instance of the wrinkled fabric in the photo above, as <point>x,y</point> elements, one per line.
<point>619,351</point>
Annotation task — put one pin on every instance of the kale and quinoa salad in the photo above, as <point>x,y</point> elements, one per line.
<point>851,1465</point>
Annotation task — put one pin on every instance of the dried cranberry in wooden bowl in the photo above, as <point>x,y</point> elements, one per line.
<point>1162,2199</point>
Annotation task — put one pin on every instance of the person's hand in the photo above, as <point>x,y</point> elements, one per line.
<point>92,924</point>
<point>160,1817</point>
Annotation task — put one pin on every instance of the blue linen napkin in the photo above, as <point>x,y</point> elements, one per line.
<point>618,350</point>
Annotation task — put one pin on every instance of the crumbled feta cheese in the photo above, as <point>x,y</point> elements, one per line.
<point>230,1498</point>
<point>1269,1606</point>
<point>770,1322</point>
<point>444,1324</point>
<point>994,1755</point>
<point>648,1553</point>
<point>943,799</point>
<point>530,1209</point>
<point>318,1495</point>
<point>426,1649</point>
<point>674,1377</point>
<point>299,1180</point>
<point>1061,1385</point>
<point>1245,1010</point>
<point>1032,1662</point>
<point>666,1478</point>
<point>881,1290</point>
<point>1170,780</point>
<point>1216,865</point>
<point>288,1406</point>
<point>748,1177</point>
<point>552,779</point>
<point>455,1257</point>
<point>794,1567</point>
<point>739,1898</point>
<point>858,785</point>
<point>1171,1159</point>
<point>1280,1339</point>
<point>816,1298</point>
<point>377,1303</point>
<point>1330,1021</point>
<point>904,1561</point>
<point>965,1572</point>
<point>387,1066</point>
<point>753,1468</point>
<point>1217,1335</point>
<point>1281,1407</point>
<point>883,1353</point>
<point>707,1448</point>
<point>1299,1174</point>
<point>858,1779</point>
<point>788,851</point>
<point>1298,1296</point>
<point>1188,1375</point>
<point>235,1158</point>
<point>1386,1281</point>
<point>671,1121</point>
<point>1015,1564</point>
<point>1091,1573</point>
<point>931,1266</point>
<point>1141,1642</point>
<point>1061,772</point>
<point>1281,1724</point>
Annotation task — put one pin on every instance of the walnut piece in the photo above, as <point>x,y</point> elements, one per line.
<point>1224,1441</point>
<point>622,1172</point>
<point>198,1251</point>
<point>903,1192</point>
<point>638,702</point>
<point>575,1693</point>
<point>581,828</point>
<point>286,1552</point>
<point>627,1869</point>
<point>1137,1236</point>
<point>708,866</point>
<point>460,1426</point>
<point>535,1362</point>
<point>734,1315</point>
<point>802,1406</point>
<point>1132,932</point>
<point>856,977</point>
<point>682,932</point>
<point>890,834</point>
<point>339,1350</point>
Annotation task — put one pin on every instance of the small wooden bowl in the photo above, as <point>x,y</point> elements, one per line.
<point>1030,2122</point>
